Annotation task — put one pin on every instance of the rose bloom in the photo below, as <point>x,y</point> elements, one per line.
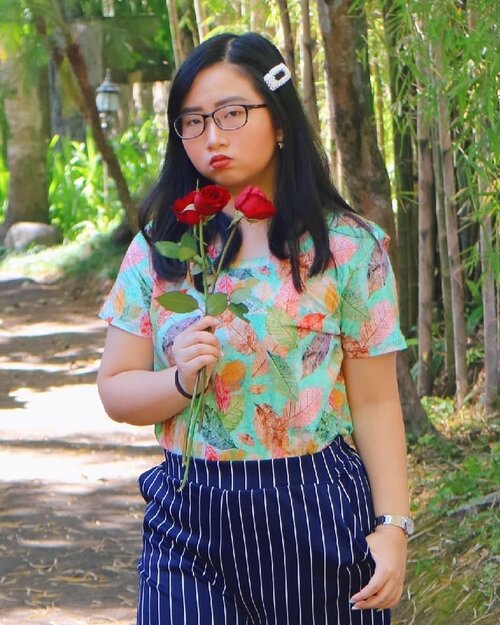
<point>254,204</point>
<point>211,199</point>
<point>185,210</point>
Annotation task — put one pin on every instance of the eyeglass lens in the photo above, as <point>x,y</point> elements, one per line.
<point>230,117</point>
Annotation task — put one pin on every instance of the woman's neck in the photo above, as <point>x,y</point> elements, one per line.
<point>254,242</point>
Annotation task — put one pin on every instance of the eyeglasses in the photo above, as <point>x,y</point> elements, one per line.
<point>228,117</point>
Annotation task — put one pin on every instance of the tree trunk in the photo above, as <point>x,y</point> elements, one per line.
<point>87,104</point>
<point>77,63</point>
<point>456,270</point>
<point>175,33</point>
<point>426,249</point>
<point>308,83</point>
<point>415,419</point>
<point>403,129</point>
<point>379,108</point>
<point>488,241</point>
<point>335,158</point>
<point>199,10</point>
<point>344,36</point>
<point>26,110</point>
<point>444,265</point>
<point>491,342</point>
<point>289,52</point>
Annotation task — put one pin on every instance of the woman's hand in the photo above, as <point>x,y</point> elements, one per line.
<point>194,348</point>
<point>388,546</point>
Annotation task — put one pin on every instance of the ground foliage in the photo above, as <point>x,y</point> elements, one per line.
<point>454,555</point>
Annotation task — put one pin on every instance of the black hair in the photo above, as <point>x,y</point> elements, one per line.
<point>304,193</point>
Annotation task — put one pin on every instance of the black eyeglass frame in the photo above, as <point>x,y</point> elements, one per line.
<point>205,116</point>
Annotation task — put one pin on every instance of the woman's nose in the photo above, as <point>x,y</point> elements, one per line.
<point>215,135</point>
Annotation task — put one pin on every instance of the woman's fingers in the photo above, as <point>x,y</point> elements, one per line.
<point>203,323</point>
<point>388,549</point>
<point>194,348</point>
<point>199,337</point>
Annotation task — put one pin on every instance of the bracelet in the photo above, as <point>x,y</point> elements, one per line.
<point>178,386</point>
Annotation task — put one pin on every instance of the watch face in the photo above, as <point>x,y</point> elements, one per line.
<point>409,526</point>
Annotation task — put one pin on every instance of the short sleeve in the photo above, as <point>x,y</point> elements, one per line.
<point>128,304</point>
<point>369,308</point>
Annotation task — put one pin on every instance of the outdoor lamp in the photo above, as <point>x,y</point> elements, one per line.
<point>107,99</point>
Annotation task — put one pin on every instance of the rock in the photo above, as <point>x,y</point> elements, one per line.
<point>24,233</point>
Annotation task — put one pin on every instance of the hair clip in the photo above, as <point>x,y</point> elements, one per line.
<point>277,76</point>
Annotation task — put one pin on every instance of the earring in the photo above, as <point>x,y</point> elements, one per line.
<point>281,145</point>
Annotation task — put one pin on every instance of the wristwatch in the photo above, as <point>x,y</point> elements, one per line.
<point>404,522</point>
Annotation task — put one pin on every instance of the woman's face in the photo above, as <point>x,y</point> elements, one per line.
<point>232,158</point>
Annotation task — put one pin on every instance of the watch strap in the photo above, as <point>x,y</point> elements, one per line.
<point>404,522</point>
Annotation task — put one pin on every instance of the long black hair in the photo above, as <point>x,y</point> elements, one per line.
<point>304,193</point>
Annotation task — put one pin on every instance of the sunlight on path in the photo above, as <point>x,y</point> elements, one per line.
<point>66,410</point>
<point>68,419</point>
<point>56,616</point>
<point>70,509</point>
<point>69,543</point>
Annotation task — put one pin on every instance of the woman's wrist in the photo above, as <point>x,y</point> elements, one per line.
<point>185,390</point>
<point>180,387</point>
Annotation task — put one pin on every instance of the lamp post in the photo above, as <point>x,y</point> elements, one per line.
<point>107,102</point>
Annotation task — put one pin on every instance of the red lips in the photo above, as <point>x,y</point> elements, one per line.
<point>219,161</point>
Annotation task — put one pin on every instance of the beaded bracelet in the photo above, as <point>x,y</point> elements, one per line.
<point>178,386</point>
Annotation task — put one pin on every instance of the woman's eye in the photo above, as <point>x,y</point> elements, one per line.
<point>233,113</point>
<point>191,121</point>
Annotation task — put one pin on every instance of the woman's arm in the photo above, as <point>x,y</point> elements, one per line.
<point>132,392</point>
<point>372,392</point>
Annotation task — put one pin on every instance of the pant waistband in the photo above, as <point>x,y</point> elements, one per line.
<point>323,466</point>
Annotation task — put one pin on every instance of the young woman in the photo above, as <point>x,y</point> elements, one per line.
<point>280,521</point>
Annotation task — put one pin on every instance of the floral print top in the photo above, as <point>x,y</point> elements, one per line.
<point>278,388</point>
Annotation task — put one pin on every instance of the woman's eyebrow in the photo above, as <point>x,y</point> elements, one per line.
<point>229,100</point>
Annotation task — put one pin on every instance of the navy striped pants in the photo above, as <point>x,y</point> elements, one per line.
<point>264,542</point>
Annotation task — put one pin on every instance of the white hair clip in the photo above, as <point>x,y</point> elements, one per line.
<point>277,76</point>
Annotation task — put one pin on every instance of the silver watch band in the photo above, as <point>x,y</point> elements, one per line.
<point>404,522</point>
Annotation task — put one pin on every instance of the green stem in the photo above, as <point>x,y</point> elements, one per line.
<point>204,266</point>
<point>197,406</point>
<point>191,420</point>
<point>189,440</point>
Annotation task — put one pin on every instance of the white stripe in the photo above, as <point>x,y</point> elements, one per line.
<point>247,561</point>
<point>352,552</point>
<point>168,561</point>
<point>220,548</point>
<point>338,552</point>
<point>209,542</point>
<point>272,556</point>
<point>154,475</point>
<point>302,489</point>
<point>322,534</point>
<point>150,564</point>
<point>285,567</point>
<point>190,487</point>
<point>339,481</point>
<point>296,542</point>
<point>140,603</point>
<point>197,549</point>
<point>258,556</point>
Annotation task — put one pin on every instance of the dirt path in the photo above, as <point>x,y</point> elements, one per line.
<point>70,512</point>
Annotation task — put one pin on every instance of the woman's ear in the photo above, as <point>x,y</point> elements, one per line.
<point>279,139</point>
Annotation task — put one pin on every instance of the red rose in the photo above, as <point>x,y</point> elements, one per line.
<point>185,210</point>
<point>211,199</point>
<point>254,204</point>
